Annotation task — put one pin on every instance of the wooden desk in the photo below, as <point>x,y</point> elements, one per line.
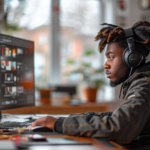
<point>105,145</point>
<point>101,145</point>
<point>60,109</point>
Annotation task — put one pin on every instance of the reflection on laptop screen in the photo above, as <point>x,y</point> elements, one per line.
<point>16,72</point>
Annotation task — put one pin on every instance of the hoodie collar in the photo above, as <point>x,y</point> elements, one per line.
<point>143,70</point>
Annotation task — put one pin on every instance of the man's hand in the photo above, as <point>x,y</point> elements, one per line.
<point>47,121</point>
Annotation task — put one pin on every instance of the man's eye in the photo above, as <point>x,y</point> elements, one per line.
<point>111,58</point>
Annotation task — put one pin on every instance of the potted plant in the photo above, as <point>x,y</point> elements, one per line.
<point>91,77</point>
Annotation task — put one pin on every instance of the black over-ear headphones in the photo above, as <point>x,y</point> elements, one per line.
<point>134,55</point>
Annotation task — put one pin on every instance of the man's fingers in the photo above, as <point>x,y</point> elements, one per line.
<point>33,124</point>
<point>47,121</point>
<point>37,122</point>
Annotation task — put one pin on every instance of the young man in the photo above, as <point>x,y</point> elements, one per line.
<point>125,63</point>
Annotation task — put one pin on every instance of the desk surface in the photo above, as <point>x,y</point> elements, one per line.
<point>96,144</point>
<point>60,109</point>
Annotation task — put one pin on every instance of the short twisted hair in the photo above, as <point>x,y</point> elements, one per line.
<point>113,33</point>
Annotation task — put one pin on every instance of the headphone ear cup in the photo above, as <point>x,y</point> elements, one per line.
<point>134,59</point>
<point>142,54</point>
<point>125,57</point>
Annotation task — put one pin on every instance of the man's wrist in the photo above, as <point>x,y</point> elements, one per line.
<point>58,125</point>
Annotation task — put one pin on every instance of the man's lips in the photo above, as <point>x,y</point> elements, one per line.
<point>108,74</point>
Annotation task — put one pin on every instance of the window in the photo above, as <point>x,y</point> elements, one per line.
<point>33,17</point>
<point>80,23</point>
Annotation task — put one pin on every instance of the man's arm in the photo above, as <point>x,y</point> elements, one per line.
<point>56,123</point>
<point>59,122</point>
<point>125,123</point>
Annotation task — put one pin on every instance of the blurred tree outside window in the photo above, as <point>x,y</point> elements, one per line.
<point>29,19</point>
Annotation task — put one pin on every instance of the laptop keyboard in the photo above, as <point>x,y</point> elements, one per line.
<point>14,124</point>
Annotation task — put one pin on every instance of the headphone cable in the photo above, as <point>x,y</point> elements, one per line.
<point>130,72</point>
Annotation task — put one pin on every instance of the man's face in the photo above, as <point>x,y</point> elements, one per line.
<point>116,70</point>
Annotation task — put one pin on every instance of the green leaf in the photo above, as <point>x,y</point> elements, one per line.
<point>12,27</point>
<point>87,65</point>
<point>98,71</point>
<point>99,83</point>
<point>70,61</point>
<point>80,70</point>
<point>89,52</point>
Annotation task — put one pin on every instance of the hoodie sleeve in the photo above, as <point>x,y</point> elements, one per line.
<point>123,125</point>
<point>100,114</point>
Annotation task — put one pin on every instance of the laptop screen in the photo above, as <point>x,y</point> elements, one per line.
<point>16,72</point>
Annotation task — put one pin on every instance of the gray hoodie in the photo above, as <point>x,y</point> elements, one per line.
<point>130,120</point>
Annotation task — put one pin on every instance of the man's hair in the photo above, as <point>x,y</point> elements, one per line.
<point>113,33</point>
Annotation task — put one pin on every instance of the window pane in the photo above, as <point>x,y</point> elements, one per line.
<point>80,23</point>
<point>32,17</point>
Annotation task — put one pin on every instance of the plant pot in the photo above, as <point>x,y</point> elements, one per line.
<point>90,94</point>
<point>45,95</point>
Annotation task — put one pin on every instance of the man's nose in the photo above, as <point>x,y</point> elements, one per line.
<point>106,65</point>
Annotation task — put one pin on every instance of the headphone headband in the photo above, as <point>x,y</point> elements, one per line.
<point>130,39</point>
<point>128,32</point>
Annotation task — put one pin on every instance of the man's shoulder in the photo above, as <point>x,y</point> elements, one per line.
<point>140,84</point>
<point>140,81</point>
<point>138,87</point>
